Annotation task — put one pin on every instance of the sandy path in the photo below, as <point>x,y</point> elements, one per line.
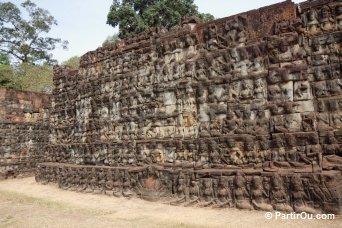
<point>24,203</point>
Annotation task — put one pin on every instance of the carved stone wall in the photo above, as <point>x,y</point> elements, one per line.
<point>24,131</point>
<point>243,111</point>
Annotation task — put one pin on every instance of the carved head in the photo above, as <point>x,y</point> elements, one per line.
<point>315,44</point>
<point>291,140</point>
<point>283,46</point>
<point>223,182</point>
<point>207,183</point>
<point>247,114</point>
<point>258,83</point>
<point>230,115</point>
<point>277,182</point>
<point>240,181</point>
<point>321,106</point>
<point>296,183</point>
<point>261,114</point>
<point>231,142</point>
<point>249,144</point>
<point>189,41</point>
<point>243,54</point>
<point>257,181</point>
<point>325,12</point>
<point>331,137</point>
<point>190,66</point>
<point>264,143</point>
<point>213,146</point>
<point>227,26</point>
<point>339,10</point>
<point>312,15</point>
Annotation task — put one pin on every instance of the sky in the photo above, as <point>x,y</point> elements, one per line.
<point>83,22</point>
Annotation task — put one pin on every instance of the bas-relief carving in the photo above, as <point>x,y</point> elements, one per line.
<point>24,129</point>
<point>312,193</point>
<point>206,99</point>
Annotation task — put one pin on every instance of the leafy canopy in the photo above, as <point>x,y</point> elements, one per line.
<point>25,76</point>
<point>34,78</point>
<point>73,62</point>
<point>111,39</point>
<point>26,40</point>
<point>135,16</point>
<point>6,73</point>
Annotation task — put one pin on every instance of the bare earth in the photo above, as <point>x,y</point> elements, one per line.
<point>24,203</point>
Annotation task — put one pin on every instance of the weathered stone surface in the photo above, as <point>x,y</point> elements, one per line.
<point>24,131</point>
<point>243,111</point>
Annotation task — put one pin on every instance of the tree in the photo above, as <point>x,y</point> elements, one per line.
<point>25,40</point>
<point>6,74</point>
<point>34,78</point>
<point>73,62</point>
<point>135,16</point>
<point>25,76</point>
<point>4,60</point>
<point>111,39</point>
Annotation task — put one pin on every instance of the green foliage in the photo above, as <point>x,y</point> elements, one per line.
<point>25,76</point>
<point>134,16</point>
<point>6,78</point>
<point>4,60</point>
<point>33,77</point>
<point>111,39</point>
<point>73,62</point>
<point>25,40</point>
<point>6,74</point>
<point>205,17</point>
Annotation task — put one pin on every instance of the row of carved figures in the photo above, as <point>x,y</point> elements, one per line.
<point>186,125</point>
<point>230,64</point>
<point>311,193</point>
<point>290,151</point>
<point>234,32</point>
<point>243,92</point>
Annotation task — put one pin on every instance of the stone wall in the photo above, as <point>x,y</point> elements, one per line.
<point>24,131</point>
<point>243,111</point>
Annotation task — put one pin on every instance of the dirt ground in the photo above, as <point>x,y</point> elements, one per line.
<point>24,203</point>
